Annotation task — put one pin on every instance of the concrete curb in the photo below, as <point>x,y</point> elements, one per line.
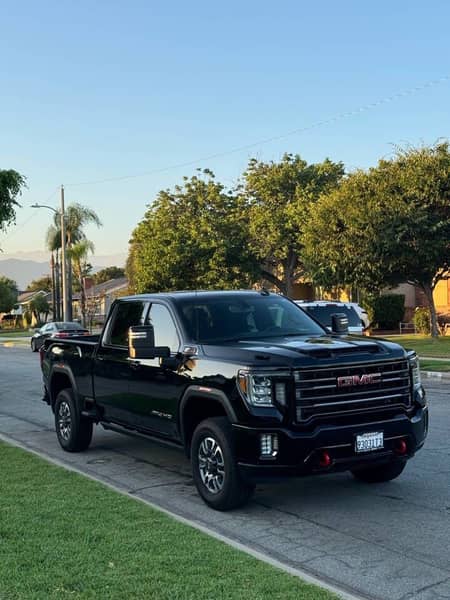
<point>304,575</point>
<point>435,375</point>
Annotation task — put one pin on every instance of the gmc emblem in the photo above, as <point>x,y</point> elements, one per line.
<point>352,380</point>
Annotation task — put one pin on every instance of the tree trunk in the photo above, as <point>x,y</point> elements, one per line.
<point>428,290</point>
<point>278,283</point>
<point>82,301</point>
<point>69,290</point>
<point>289,269</point>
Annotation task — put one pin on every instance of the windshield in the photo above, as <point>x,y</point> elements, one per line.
<point>250,316</point>
<point>323,314</point>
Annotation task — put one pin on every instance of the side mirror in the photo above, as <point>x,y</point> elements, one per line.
<point>339,324</point>
<point>141,343</point>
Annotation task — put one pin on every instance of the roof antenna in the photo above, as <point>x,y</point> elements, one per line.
<point>264,292</point>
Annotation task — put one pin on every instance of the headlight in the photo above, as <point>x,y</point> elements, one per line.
<point>415,369</point>
<point>256,389</point>
<point>263,389</point>
<point>418,393</point>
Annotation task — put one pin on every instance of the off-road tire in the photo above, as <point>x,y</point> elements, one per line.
<point>74,432</point>
<point>232,490</point>
<point>385,472</point>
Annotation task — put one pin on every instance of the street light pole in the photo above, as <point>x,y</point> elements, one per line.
<point>63,257</point>
<point>63,251</point>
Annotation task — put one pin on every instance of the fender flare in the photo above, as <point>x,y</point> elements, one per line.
<point>203,392</point>
<point>64,371</point>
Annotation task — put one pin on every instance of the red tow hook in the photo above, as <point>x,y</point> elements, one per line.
<point>325,459</point>
<point>401,447</point>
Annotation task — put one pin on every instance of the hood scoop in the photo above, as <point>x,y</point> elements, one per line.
<point>336,351</point>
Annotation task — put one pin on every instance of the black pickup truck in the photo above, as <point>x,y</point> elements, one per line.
<point>247,383</point>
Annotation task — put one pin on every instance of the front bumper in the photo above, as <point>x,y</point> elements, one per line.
<point>300,453</point>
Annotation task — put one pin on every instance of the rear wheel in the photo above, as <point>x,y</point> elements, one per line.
<point>214,467</point>
<point>385,472</point>
<point>74,432</point>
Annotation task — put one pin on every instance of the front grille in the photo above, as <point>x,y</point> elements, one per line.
<point>317,393</point>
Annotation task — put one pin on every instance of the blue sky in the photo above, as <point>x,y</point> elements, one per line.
<point>97,90</point>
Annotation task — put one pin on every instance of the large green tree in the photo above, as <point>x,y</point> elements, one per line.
<point>11,186</point>
<point>386,226</point>
<point>8,294</point>
<point>192,237</point>
<point>280,196</point>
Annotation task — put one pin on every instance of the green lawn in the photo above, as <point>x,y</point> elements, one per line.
<point>62,535</point>
<point>13,333</point>
<point>434,365</point>
<point>424,345</point>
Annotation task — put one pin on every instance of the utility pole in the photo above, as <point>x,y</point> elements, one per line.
<point>63,258</point>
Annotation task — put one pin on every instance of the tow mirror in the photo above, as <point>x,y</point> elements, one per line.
<point>141,343</point>
<point>339,324</point>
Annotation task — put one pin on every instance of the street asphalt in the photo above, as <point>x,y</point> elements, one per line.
<point>387,541</point>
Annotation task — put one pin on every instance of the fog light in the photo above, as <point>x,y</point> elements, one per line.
<point>268,445</point>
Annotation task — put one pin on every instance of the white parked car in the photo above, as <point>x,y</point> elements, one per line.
<point>362,312</point>
<point>322,310</point>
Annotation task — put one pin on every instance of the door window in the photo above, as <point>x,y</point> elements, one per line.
<point>126,315</point>
<point>164,327</point>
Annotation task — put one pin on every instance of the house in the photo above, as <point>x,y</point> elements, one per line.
<point>24,300</point>
<point>99,298</point>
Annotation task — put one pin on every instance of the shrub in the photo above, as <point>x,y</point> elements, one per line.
<point>26,318</point>
<point>421,320</point>
<point>386,311</point>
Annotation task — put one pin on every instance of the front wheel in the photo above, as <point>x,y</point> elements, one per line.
<point>214,467</point>
<point>74,432</point>
<point>385,472</point>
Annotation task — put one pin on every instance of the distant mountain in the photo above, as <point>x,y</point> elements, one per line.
<point>24,271</point>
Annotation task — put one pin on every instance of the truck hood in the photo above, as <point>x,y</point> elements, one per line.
<point>297,351</point>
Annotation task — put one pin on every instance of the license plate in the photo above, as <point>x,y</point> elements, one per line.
<point>367,442</point>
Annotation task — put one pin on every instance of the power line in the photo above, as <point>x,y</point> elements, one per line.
<point>23,223</point>
<point>328,121</point>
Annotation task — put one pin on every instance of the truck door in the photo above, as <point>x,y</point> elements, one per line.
<point>113,370</point>
<point>155,390</point>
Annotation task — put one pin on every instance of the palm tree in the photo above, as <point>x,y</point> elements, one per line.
<point>78,254</point>
<point>53,243</point>
<point>77,217</point>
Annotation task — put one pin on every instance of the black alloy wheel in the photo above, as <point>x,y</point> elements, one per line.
<point>214,466</point>
<point>74,432</point>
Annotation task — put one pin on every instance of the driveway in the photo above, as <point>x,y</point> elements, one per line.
<point>386,541</point>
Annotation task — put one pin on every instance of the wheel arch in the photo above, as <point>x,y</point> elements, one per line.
<point>199,404</point>
<point>60,379</point>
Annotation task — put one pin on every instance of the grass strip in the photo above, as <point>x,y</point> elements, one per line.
<point>63,535</point>
<point>424,345</point>
<point>15,334</point>
<point>435,365</point>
